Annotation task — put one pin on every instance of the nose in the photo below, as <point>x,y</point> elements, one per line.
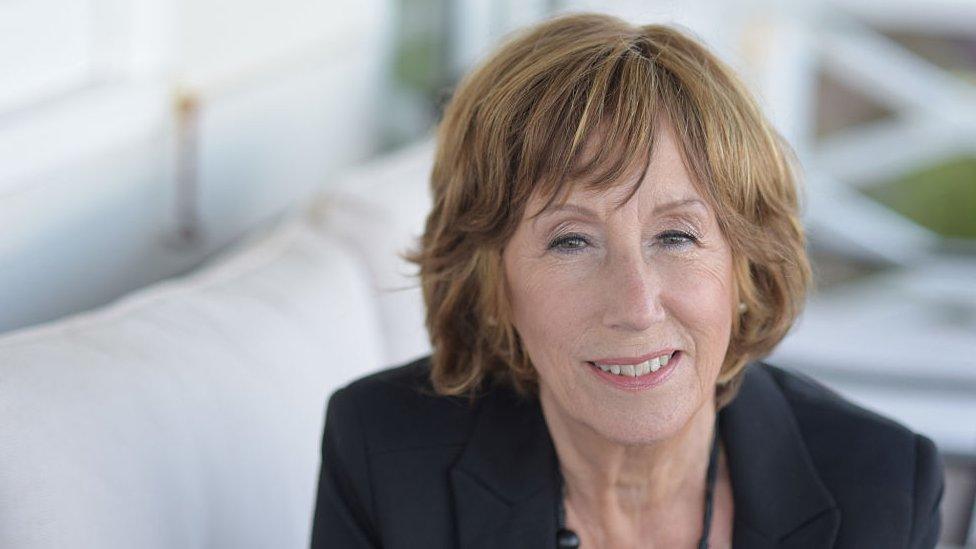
<point>632,294</point>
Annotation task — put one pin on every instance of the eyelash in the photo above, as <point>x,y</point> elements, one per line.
<point>557,243</point>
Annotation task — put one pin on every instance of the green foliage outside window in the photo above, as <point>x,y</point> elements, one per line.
<point>941,197</point>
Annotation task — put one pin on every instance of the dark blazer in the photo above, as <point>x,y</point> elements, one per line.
<point>404,468</point>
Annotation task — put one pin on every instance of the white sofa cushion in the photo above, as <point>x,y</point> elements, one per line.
<point>188,414</point>
<point>379,211</point>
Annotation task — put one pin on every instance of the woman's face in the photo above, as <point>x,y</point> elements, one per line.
<point>591,285</point>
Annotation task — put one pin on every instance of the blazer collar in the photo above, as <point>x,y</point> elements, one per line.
<point>780,500</point>
<point>505,489</point>
<point>504,483</point>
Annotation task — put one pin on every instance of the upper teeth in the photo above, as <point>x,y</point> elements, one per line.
<point>634,370</point>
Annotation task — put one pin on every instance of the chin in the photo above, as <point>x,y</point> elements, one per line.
<point>653,426</point>
<point>658,415</point>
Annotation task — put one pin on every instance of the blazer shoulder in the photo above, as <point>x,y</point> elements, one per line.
<point>803,392</point>
<point>852,444</point>
<point>398,408</point>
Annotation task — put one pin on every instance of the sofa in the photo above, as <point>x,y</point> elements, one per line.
<point>189,413</point>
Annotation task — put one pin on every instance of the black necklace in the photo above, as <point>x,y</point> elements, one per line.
<point>568,539</point>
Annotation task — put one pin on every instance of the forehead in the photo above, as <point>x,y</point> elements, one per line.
<point>663,180</point>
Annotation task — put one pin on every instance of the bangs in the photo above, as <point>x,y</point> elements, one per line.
<point>593,125</point>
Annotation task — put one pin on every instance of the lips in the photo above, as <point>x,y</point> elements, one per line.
<point>635,370</point>
<point>627,378</point>
<point>634,360</point>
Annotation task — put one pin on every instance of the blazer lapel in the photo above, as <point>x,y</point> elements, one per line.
<point>780,500</point>
<point>504,485</point>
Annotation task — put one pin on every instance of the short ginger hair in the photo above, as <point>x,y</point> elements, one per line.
<point>518,124</point>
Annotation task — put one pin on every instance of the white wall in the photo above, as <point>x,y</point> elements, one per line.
<point>286,95</point>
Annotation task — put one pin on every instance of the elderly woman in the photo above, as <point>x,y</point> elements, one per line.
<point>614,244</point>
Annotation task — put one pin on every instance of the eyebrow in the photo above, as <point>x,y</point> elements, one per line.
<point>586,212</point>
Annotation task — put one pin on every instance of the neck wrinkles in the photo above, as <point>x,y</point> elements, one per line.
<point>608,478</point>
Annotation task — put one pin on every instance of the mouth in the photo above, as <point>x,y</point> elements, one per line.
<point>640,376</point>
<point>636,367</point>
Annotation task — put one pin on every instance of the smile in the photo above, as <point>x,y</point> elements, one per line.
<point>636,370</point>
<point>637,376</point>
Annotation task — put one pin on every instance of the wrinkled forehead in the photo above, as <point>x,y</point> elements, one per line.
<point>609,196</point>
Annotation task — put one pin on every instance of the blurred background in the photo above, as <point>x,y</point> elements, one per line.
<point>140,138</point>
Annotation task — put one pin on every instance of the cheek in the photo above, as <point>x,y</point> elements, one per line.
<point>551,311</point>
<point>548,309</point>
<point>700,298</point>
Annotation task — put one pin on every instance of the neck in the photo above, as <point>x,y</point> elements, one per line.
<point>609,480</point>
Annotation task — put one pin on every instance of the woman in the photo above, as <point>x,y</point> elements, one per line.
<point>614,244</point>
